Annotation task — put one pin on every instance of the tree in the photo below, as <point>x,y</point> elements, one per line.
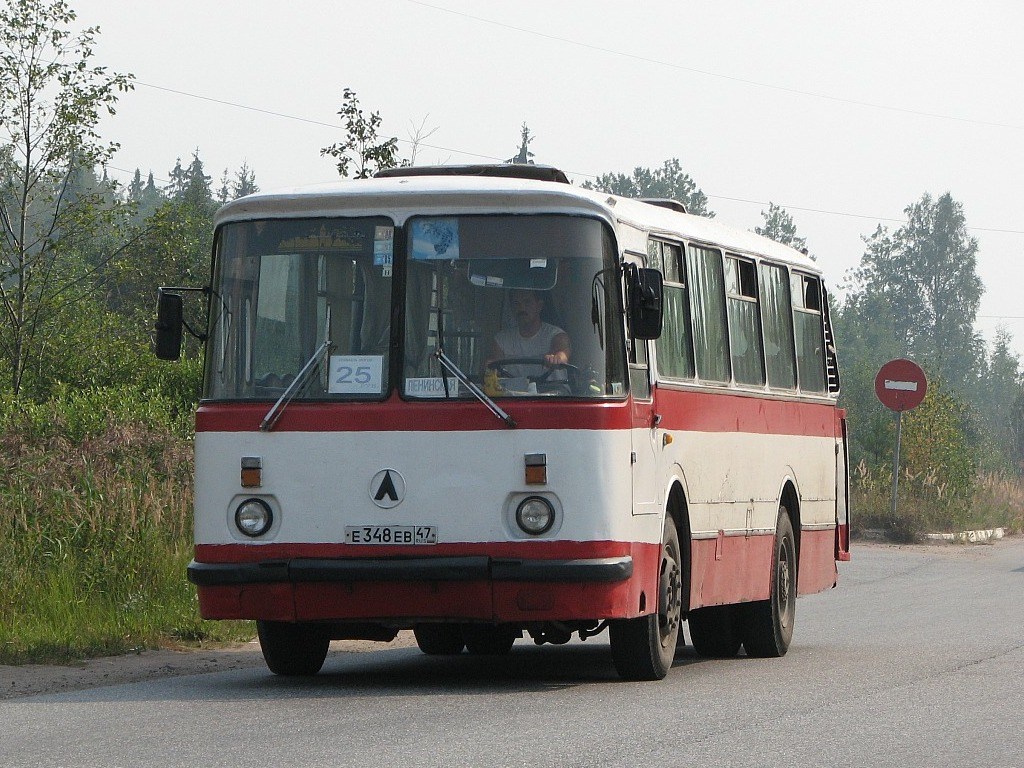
<point>921,281</point>
<point>1000,384</point>
<point>668,182</point>
<point>134,192</point>
<point>146,200</point>
<point>779,226</point>
<point>178,180</point>
<point>936,451</point>
<point>244,183</point>
<point>523,156</point>
<point>417,135</point>
<point>51,100</point>
<point>196,188</point>
<point>1016,419</point>
<point>362,146</point>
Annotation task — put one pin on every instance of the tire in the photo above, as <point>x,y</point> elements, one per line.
<point>488,639</point>
<point>293,650</point>
<point>439,639</point>
<point>768,625</point>
<point>715,631</point>
<point>644,648</point>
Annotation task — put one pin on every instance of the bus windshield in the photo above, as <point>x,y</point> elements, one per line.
<point>284,286</point>
<point>522,305</point>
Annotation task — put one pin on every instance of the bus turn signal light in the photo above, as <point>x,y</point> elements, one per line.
<point>536,468</point>
<point>252,471</point>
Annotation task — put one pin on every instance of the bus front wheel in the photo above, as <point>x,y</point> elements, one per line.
<point>292,649</point>
<point>768,625</point>
<point>644,648</point>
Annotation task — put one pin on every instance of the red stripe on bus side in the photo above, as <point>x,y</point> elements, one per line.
<point>727,412</point>
<point>397,415</point>
<point>680,410</point>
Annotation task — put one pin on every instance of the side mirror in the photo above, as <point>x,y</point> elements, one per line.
<point>169,322</point>
<point>645,293</point>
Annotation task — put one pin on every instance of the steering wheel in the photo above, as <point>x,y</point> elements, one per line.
<point>542,378</point>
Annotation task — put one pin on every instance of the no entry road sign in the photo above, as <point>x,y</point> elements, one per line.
<point>901,385</point>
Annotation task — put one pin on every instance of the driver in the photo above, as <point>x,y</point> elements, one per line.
<point>531,338</point>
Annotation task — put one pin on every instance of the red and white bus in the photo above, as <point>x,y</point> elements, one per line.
<point>371,458</point>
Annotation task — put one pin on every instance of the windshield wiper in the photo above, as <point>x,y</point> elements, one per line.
<point>448,364</point>
<point>286,397</point>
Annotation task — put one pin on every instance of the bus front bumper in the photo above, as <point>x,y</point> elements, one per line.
<point>472,587</point>
<point>469,568</point>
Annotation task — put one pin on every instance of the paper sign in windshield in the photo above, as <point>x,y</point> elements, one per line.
<point>435,239</point>
<point>355,375</point>
<point>384,249</point>
<point>431,386</point>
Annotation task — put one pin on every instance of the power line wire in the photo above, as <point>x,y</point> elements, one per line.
<point>719,75</point>
<point>311,121</point>
<point>308,120</point>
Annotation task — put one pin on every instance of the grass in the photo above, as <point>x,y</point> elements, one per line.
<point>925,504</point>
<point>95,531</point>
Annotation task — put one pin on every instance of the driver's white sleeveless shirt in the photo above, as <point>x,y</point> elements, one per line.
<point>513,344</point>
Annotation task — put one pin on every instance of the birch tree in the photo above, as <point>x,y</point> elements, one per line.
<point>52,98</point>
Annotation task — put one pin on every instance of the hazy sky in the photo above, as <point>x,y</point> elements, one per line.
<point>843,113</point>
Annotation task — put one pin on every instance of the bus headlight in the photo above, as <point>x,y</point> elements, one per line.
<point>535,515</point>
<point>254,517</point>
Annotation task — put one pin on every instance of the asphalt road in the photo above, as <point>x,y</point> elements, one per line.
<point>914,660</point>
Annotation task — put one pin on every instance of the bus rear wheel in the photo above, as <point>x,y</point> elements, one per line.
<point>293,649</point>
<point>488,639</point>
<point>644,648</point>
<point>768,625</point>
<point>714,631</point>
<point>439,639</point>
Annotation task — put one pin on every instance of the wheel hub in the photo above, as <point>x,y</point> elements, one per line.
<point>670,602</point>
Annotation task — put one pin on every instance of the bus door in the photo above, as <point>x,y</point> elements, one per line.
<point>842,490</point>
<point>644,457</point>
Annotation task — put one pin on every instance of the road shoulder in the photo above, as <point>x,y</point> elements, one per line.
<point>39,679</point>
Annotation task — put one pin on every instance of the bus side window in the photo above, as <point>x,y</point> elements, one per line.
<point>809,332</point>
<point>777,320</point>
<point>675,345</point>
<point>744,321</point>
<point>710,329</point>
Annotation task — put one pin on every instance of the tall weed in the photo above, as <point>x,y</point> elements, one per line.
<point>928,503</point>
<point>95,526</point>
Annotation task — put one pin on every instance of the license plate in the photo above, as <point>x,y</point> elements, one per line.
<point>391,534</point>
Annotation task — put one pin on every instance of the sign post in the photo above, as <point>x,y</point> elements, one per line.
<point>901,386</point>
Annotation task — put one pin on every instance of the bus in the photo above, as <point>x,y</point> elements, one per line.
<point>483,404</point>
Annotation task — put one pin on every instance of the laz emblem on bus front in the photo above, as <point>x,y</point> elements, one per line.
<point>387,488</point>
